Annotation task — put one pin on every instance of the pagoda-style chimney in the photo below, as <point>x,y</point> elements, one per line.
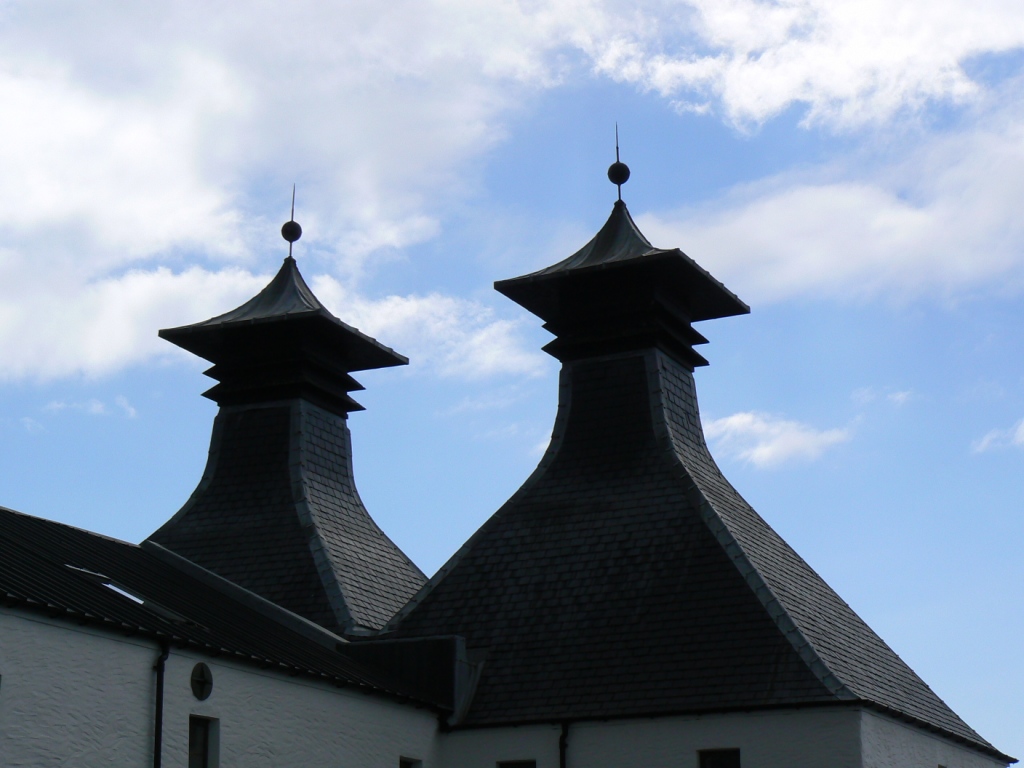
<point>627,577</point>
<point>619,293</point>
<point>277,510</point>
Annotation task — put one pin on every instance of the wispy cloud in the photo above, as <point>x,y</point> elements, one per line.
<point>1000,438</point>
<point>866,395</point>
<point>847,63</point>
<point>768,441</point>
<point>942,221</point>
<point>136,142</point>
<point>453,336</point>
<point>129,410</point>
<point>92,407</point>
<point>31,425</point>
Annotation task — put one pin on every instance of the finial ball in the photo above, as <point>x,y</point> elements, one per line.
<point>618,173</point>
<point>291,231</point>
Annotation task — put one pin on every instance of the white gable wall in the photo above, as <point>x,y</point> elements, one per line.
<point>888,743</point>
<point>75,695</point>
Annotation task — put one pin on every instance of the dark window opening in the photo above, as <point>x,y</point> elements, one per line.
<point>202,742</point>
<point>719,758</point>
<point>517,764</point>
<point>408,762</point>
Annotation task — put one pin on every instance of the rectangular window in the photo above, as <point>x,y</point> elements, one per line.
<point>719,758</point>
<point>517,764</point>
<point>203,742</point>
<point>408,762</point>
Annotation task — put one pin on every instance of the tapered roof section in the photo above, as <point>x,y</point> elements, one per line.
<point>277,511</point>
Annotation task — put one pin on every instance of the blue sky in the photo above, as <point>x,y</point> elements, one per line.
<point>853,170</point>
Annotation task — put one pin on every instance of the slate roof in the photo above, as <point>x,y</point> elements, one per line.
<point>277,510</point>
<point>62,572</point>
<point>628,578</point>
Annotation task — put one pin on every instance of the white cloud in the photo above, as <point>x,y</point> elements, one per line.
<point>1000,438</point>
<point>768,441</point>
<point>93,407</point>
<point>137,141</point>
<point>453,336</point>
<point>129,410</point>
<point>899,398</point>
<point>849,62</point>
<point>31,425</point>
<point>942,221</point>
<point>54,329</point>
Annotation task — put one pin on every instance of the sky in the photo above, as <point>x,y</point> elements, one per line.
<point>854,171</point>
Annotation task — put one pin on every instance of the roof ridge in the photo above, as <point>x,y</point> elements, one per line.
<point>268,608</point>
<point>113,539</point>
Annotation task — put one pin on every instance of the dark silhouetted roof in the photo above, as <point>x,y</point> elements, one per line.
<point>286,300</point>
<point>67,573</point>
<point>277,510</point>
<point>628,578</point>
<point>620,245</point>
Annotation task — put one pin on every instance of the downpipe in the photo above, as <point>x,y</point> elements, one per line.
<point>158,718</point>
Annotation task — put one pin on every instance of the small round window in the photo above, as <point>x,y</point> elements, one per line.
<point>202,681</point>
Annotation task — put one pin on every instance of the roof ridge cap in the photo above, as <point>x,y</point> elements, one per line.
<point>733,549</point>
<point>267,608</point>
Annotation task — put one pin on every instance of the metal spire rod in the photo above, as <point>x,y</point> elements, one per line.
<point>293,193</point>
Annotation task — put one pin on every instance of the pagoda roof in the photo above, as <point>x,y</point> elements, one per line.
<point>286,302</point>
<point>620,246</point>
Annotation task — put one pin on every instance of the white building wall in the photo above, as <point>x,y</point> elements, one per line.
<point>267,718</point>
<point>71,696</point>
<point>77,696</point>
<point>484,747</point>
<point>888,743</point>
<point>804,738</point>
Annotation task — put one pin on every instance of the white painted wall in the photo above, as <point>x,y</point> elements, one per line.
<point>272,719</point>
<point>805,738</point>
<point>72,696</point>
<point>77,696</point>
<point>888,743</point>
<point>484,747</point>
